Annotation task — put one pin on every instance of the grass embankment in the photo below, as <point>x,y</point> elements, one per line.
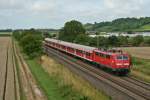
<point>59,83</point>
<point>141,68</point>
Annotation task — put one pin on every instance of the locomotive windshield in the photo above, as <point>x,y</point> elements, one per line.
<point>122,57</point>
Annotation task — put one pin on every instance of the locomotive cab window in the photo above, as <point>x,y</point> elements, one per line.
<point>102,55</point>
<point>122,57</point>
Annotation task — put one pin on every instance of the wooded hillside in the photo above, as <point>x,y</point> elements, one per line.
<point>121,24</point>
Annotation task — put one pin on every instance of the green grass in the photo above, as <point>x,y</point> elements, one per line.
<point>146,27</point>
<point>67,78</point>
<point>141,68</point>
<point>142,65</point>
<point>51,85</point>
<point>143,28</point>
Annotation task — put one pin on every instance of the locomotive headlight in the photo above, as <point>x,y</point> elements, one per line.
<point>126,63</point>
<point>118,64</point>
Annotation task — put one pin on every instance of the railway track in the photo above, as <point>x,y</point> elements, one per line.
<point>9,86</point>
<point>138,82</point>
<point>133,88</point>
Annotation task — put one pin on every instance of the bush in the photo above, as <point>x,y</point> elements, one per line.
<point>147,41</point>
<point>30,41</point>
<point>31,45</point>
<point>136,41</point>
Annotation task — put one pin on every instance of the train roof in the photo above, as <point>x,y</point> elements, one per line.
<point>104,52</point>
<point>72,45</point>
<point>110,52</point>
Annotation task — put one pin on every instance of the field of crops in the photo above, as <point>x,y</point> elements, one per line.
<point>139,52</point>
<point>5,33</point>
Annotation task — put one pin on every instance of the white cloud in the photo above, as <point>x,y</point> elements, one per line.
<point>13,4</point>
<point>54,13</point>
<point>126,7</point>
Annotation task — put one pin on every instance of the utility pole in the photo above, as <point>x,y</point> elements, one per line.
<point>58,41</point>
<point>97,35</point>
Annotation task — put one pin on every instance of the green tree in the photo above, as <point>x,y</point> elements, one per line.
<point>93,42</point>
<point>147,41</point>
<point>71,30</point>
<point>103,41</point>
<point>82,39</point>
<point>123,40</point>
<point>31,45</point>
<point>121,24</point>
<point>32,31</point>
<point>113,41</point>
<point>17,35</point>
<point>137,40</point>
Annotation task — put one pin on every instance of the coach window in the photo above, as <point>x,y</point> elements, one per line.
<point>72,49</point>
<point>62,46</point>
<point>77,50</point>
<point>97,53</point>
<point>80,51</point>
<point>88,54</point>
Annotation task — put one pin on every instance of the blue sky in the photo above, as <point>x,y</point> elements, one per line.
<point>54,13</point>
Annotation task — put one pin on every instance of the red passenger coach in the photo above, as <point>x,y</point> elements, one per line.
<point>113,59</point>
<point>81,51</point>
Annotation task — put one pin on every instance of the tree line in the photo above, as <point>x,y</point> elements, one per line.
<point>30,41</point>
<point>5,30</point>
<point>121,24</point>
<point>74,31</point>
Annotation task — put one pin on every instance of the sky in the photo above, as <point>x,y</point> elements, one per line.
<point>18,14</point>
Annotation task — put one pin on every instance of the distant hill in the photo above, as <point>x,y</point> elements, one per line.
<point>121,24</point>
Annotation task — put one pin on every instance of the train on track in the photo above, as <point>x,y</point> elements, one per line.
<point>113,59</point>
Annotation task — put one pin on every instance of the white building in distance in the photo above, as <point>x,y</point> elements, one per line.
<point>104,34</point>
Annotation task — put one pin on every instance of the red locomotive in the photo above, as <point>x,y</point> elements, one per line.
<point>113,59</point>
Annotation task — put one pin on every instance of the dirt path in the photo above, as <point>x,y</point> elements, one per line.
<point>9,86</point>
<point>28,82</point>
